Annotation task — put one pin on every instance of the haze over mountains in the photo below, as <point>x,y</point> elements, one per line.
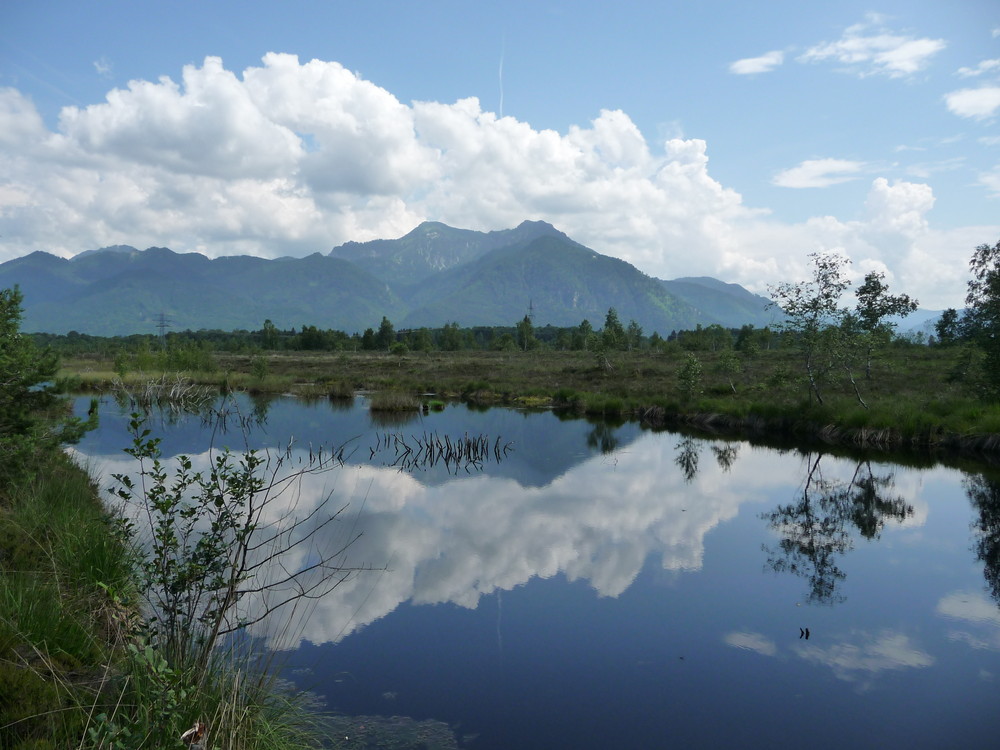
<point>434,275</point>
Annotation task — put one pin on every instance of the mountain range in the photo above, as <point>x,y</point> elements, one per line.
<point>434,275</point>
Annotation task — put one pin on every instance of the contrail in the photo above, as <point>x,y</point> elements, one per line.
<point>503,44</point>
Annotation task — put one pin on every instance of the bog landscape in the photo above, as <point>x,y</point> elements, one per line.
<point>549,447</point>
<point>499,376</point>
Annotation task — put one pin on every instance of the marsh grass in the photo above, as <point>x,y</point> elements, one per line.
<point>393,401</point>
<point>916,392</point>
<point>76,666</point>
<point>61,554</point>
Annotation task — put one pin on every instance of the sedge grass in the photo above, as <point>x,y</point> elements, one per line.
<point>74,669</point>
<point>914,391</point>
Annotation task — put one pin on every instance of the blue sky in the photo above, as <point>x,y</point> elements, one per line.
<point>727,139</point>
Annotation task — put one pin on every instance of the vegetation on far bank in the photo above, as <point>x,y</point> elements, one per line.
<point>109,643</point>
<point>829,368</point>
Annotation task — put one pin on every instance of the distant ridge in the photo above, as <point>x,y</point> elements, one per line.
<point>120,249</point>
<point>433,247</point>
<point>433,275</point>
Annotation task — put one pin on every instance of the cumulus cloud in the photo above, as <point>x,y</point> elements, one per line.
<point>819,173</point>
<point>871,49</point>
<point>978,104</point>
<point>292,157</point>
<point>893,235</point>
<point>473,536</point>
<point>901,207</point>
<point>763,64</point>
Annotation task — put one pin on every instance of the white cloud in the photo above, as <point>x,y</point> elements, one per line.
<point>291,158</point>
<point>763,64</point>
<point>819,173</point>
<point>971,607</point>
<point>979,104</point>
<point>751,642</point>
<point>870,49</point>
<point>900,207</point>
<point>991,181</point>
<point>103,67</point>
<point>985,66</point>
<point>975,611</point>
<point>894,235</point>
<point>925,170</point>
<point>868,655</point>
<point>209,127</point>
<point>468,538</point>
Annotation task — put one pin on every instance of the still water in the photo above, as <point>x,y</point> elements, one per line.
<point>590,585</point>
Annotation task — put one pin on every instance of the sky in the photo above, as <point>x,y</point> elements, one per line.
<point>709,138</point>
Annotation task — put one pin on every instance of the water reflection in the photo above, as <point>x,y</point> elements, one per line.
<point>814,529</point>
<point>725,455</point>
<point>687,458</point>
<point>629,565</point>
<point>984,494</point>
<point>429,450</point>
<point>689,452</point>
<point>863,656</point>
<point>461,540</point>
<point>603,438</point>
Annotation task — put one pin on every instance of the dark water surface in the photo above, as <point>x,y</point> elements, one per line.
<point>600,586</point>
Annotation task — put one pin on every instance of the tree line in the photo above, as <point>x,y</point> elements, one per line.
<point>835,340</point>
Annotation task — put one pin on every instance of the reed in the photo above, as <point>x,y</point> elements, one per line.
<point>390,401</point>
<point>914,390</point>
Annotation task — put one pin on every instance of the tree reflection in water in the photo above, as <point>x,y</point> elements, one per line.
<point>725,455</point>
<point>816,528</point>
<point>688,455</point>
<point>603,437</point>
<point>984,494</point>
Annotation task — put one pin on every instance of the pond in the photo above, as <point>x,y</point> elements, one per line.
<point>592,585</point>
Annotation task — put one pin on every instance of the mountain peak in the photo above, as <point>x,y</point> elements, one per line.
<point>110,249</point>
<point>538,225</point>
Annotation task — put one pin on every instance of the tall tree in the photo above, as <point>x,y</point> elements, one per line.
<point>613,334</point>
<point>32,419</point>
<point>875,305</point>
<point>269,335</point>
<point>386,335</point>
<point>451,337</point>
<point>983,308</point>
<point>813,315</point>
<point>526,334</point>
<point>947,327</point>
<point>633,335</point>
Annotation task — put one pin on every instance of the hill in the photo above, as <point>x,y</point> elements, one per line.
<point>562,281</point>
<point>723,303</point>
<point>433,275</point>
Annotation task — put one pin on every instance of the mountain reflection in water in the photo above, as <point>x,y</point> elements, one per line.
<point>602,586</point>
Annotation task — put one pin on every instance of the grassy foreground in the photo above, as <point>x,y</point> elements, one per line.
<point>76,668</point>
<point>916,396</point>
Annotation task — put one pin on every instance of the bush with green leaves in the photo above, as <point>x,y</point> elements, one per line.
<point>34,417</point>
<point>212,546</point>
